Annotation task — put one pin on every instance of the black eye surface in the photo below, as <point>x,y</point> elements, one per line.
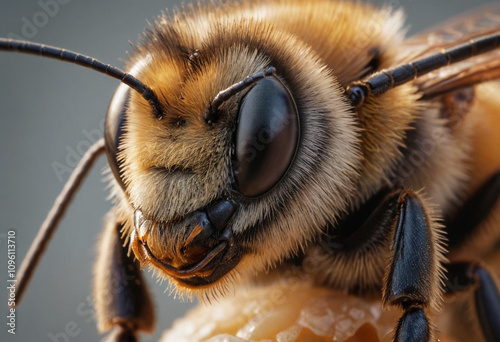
<point>113,128</point>
<point>266,137</point>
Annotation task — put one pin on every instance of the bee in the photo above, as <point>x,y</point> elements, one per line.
<point>248,137</point>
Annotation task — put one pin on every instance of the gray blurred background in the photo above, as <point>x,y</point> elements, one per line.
<point>47,109</point>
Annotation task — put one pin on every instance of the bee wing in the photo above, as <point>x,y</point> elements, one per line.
<point>457,30</point>
<point>453,32</point>
<point>465,74</point>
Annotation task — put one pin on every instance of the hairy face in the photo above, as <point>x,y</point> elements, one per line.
<point>210,194</point>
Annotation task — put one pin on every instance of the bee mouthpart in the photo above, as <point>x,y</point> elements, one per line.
<point>203,240</point>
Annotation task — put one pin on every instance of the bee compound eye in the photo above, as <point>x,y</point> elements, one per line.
<point>266,137</point>
<point>114,128</point>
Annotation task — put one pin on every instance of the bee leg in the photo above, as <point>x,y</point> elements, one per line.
<point>465,276</point>
<point>413,326</point>
<point>472,214</point>
<point>412,281</point>
<point>121,298</point>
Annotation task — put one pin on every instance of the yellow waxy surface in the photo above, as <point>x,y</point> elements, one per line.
<point>286,315</point>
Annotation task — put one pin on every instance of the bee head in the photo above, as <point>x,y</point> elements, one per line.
<point>230,180</point>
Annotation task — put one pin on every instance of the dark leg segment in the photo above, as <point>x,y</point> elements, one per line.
<point>470,276</point>
<point>473,212</point>
<point>413,326</point>
<point>121,334</point>
<point>398,237</point>
<point>473,276</point>
<point>122,299</point>
<point>413,268</point>
<point>487,302</point>
<point>412,281</point>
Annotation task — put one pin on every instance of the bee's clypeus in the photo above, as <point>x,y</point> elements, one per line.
<point>249,137</point>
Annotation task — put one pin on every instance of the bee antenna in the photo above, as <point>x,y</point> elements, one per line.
<point>358,92</point>
<point>226,94</point>
<point>85,61</point>
<point>54,216</point>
